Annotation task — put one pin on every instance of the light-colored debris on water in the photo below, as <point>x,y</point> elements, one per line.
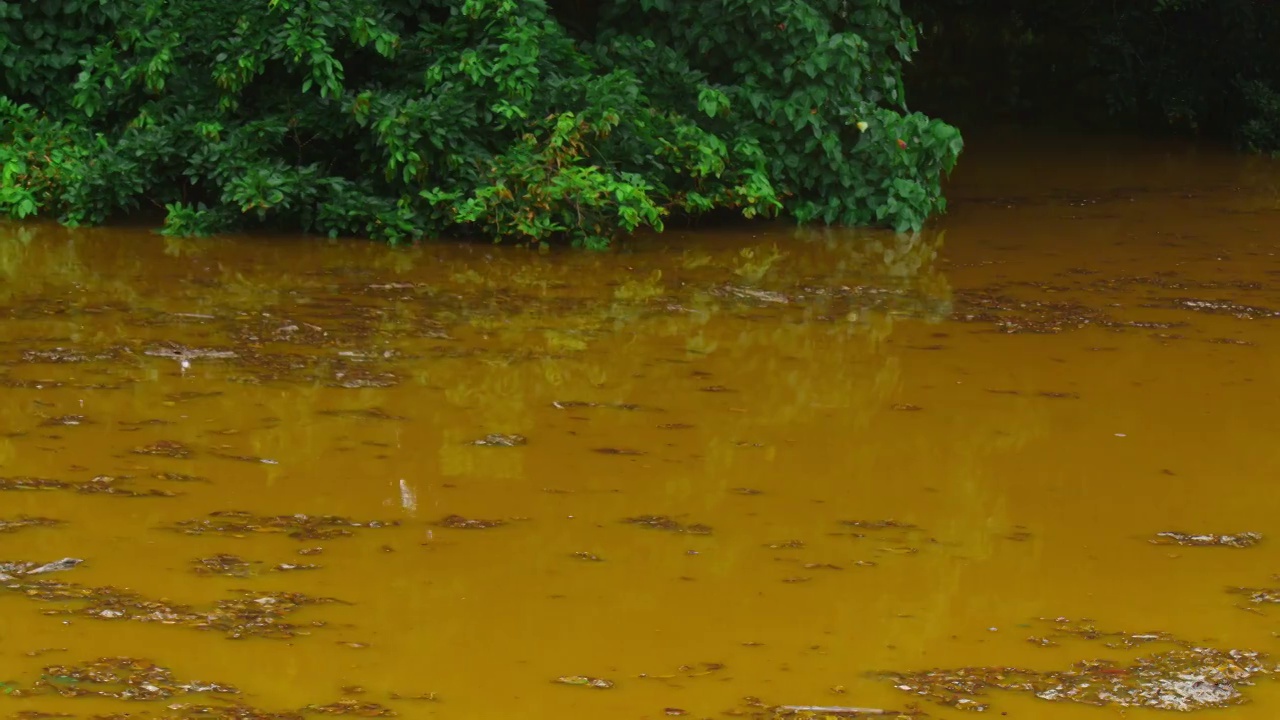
<point>11,570</point>
<point>121,678</point>
<point>351,707</point>
<point>581,404</point>
<point>458,522</point>
<point>1239,540</point>
<point>501,440</point>
<point>65,421</point>
<point>247,614</point>
<point>584,681</point>
<point>165,448</point>
<point>223,564</point>
<point>757,709</point>
<point>879,525</point>
<point>1258,596</point>
<point>662,522</point>
<point>1183,679</point>
<point>22,522</point>
<point>1083,629</point>
<point>174,351</point>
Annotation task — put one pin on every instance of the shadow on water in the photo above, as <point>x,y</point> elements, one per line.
<point>811,466</point>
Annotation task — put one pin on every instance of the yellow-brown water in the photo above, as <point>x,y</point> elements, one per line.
<point>1081,355</point>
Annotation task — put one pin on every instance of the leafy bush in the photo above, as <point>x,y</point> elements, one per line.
<point>399,119</point>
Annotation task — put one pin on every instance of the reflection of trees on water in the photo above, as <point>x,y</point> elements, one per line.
<point>482,340</point>
<point>497,332</point>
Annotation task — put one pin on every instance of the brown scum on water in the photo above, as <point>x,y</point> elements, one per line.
<point>140,680</point>
<point>223,564</point>
<point>249,614</point>
<point>100,485</point>
<point>25,521</point>
<point>662,522</point>
<point>237,523</point>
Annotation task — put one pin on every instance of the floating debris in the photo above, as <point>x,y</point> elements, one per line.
<point>139,424</point>
<point>291,567</point>
<point>174,351</point>
<point>675,426</point>
<point>225,565</point>
<point>65,421</point>
<point>878,524</point>
<point>589,557</point>
<point>299,527</point>
<point>788,545</point>
<point>584,681</point>
<point>764,296</point>
<point>351,707</point>
<point>100,485</point>
<point>424,697</point>
<point>580,404</point>
<point>244,458</point>
<point>501,440</point>
<point>373,413</point>
<point>458,522</point>
<point>179,477</point>
<point>1217,307</point>
<point>905,407</point>
<point>1086,630</point>
<point>165,448</point>
<point>10,570</point>
<point>662,522</point>
<point>26,521</point>
<point>122,678</point>
<point>617,451</point>
<point>819,712</point>
<point>61,356</point>
<point>1183,679</point>
<point>1239,540</point>
<point>1258,596</point>
<point>250,614</point>
<point>138,680</point>
<point>746,491</point>
<point>686,671</point>
<point>757,709</point>
<point>189,395</point>
<point>356,377</point>
<point>900,550</point>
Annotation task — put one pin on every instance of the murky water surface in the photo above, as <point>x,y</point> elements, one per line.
<point>802,467</point>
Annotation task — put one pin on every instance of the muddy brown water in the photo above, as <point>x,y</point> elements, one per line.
<point>714,431</point>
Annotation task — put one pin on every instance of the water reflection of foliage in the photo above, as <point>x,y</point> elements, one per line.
<point>807,317</point>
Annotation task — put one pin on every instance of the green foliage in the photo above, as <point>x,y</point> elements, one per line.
<point>400,119</point>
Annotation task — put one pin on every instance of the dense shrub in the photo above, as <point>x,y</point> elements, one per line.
<point>401,119</point>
